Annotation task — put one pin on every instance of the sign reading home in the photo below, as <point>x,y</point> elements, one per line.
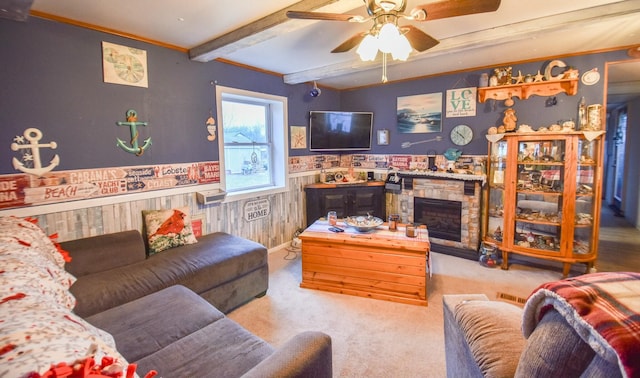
<point>257,209</point>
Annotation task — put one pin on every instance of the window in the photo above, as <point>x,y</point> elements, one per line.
<point>252,142</point>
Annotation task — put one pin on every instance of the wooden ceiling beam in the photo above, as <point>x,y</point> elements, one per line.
<point>268,27</point>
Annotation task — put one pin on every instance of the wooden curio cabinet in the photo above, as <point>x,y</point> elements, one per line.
<point>543,197</point>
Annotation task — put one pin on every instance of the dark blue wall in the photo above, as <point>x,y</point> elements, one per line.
<point>51,79</point>
<point>382,101</point>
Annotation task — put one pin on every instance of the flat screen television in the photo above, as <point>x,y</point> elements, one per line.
<point>340,131</point>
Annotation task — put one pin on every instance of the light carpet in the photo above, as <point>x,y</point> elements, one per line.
<point>375,338</point>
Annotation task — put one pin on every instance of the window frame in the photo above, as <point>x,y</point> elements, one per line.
<point>278,130</point>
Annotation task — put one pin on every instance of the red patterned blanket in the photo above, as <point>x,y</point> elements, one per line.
<point>603,308</point>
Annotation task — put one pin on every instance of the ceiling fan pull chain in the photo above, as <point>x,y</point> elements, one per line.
<point>384,68</point>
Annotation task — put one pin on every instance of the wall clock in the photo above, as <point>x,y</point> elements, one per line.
<point>461,135</point>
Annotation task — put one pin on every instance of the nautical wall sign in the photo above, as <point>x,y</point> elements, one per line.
<point>256,209</point>
<point>22,190</point>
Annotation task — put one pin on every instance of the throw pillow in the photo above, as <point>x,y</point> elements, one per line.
<point>168,228</point>
<point>492,330</point>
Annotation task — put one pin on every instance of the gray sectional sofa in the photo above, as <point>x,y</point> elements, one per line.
<point>166,312</point>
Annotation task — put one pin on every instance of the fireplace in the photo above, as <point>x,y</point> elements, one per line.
<point>449,204</point>
<point>442,217</point>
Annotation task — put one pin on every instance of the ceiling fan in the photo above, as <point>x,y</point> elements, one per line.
<point>384,12</point>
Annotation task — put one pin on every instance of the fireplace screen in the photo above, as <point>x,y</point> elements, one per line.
<point>443,218</point>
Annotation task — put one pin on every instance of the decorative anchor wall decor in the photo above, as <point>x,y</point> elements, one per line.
<point>33,135</point>
<point>132,122</point>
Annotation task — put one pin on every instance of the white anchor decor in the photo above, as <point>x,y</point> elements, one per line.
<point>31,163</point>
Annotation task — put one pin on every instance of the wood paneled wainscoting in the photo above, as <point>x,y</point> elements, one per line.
<point>286,216</point>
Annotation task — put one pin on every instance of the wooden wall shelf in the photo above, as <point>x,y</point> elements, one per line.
<point>526,90</point>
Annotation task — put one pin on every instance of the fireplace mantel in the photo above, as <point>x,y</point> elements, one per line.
<point>443,175</point>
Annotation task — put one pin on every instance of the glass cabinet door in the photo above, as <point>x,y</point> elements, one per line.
<point>585,203</point>
<point>497,171</point>
<point>539,195</point>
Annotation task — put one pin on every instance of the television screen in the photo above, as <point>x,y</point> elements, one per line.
<point>340,131</point>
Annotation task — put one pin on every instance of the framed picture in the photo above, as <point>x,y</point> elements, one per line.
<point>298,137</point>
<point>383,137</point>
<point>420,113</point>
<point>124,65</point>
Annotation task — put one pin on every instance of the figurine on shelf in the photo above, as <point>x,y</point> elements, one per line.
<point>497,234</point>
<point>509,120</point>
<point>518,79</point>
<point>503,75</point>
<point>538,77</point>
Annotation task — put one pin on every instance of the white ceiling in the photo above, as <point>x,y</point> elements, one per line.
<point>300,49</point>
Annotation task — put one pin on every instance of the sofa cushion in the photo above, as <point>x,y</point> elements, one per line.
<point>168,229</point>
<point>492,331</point>
<point>103,290</point>
<point>103,252</point>
<point>146,325</point>
<point>554,349</point>
<point>216,259</point>
<point>459,360</point>
<point>221,349</point>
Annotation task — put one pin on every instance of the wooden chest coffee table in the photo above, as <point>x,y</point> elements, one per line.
<point>381,264</point>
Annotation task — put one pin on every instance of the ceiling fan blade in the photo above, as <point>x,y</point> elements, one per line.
<point>350,43</point>
<point>454,8</point>
<point>418,39</point>
<point>320,16</point>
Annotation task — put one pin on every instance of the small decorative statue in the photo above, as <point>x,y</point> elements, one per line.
<point>503,75</point>
<point>509,120</point>
<point>452,155</point>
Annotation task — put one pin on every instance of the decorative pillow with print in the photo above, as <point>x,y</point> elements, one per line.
<point>168,228</point>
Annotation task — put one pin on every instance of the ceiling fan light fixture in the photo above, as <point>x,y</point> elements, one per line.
<point>368,48</point>
<point>389,36</point>
<point>402,49</point>
<point>386,5</point>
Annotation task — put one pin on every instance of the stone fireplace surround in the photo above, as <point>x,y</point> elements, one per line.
<point>466,189</point>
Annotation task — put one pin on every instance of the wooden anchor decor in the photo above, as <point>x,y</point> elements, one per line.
<point>132,122</point>
<point>33,136</point>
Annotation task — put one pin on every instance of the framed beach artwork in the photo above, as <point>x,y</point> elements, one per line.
<point>420,113</point>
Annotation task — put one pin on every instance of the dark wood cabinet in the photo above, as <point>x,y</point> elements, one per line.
<point>345,199</point>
